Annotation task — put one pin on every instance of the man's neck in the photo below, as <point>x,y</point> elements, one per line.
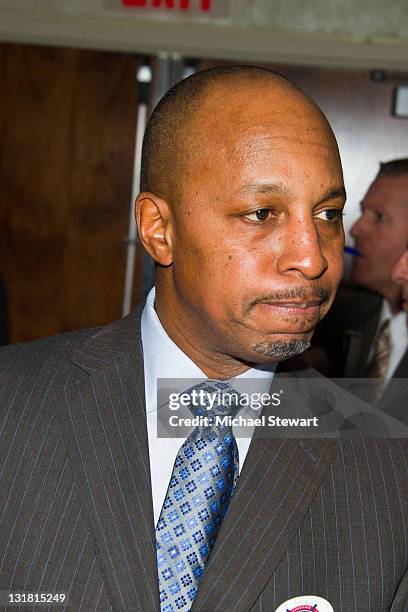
<point>392,295</point>
<point>214,364</point>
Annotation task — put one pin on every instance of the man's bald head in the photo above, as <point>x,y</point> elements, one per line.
<point>241,209</point>
<point>175,133</point>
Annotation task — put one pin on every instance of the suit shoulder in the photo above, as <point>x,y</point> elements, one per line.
<point>39,356</point>
<point>45,345</point>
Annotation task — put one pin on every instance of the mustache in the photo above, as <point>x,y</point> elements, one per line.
<point>306,294</point>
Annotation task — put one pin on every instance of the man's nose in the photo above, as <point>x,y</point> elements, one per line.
<point>302,251</point>
<point>357,229</point>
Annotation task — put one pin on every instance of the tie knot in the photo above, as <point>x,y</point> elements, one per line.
<point>213,397</point>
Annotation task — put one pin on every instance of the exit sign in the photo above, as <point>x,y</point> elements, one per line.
<point>171,5</point>
<point>172,10</point>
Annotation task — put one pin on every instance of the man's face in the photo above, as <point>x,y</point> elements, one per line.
<point>380,234</point>
<point>258,235</point>
<point>400,276</point>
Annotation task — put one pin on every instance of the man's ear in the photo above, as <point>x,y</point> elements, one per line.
<point>154,223</point>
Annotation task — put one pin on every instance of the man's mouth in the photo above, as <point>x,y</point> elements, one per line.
<point>309,307</point>
<point>296,301</point>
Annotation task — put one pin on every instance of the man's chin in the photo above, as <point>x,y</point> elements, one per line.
<point>279,350</point>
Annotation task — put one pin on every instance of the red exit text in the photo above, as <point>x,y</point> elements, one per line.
<point>203,5</point>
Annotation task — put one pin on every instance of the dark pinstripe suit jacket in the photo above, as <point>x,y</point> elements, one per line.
<point>322,517</point>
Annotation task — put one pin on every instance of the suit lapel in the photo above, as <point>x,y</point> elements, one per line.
<point>394,400</point>
<point>104,422</point>
<point>279,481</point>
<point>366,335</point>
<point>353,352</point>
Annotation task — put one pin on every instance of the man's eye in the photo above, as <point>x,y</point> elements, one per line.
<point>331,214</point>
<point>259,215</point>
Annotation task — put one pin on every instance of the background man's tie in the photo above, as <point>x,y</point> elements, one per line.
<point>378,366</point>
<point>204,477</point>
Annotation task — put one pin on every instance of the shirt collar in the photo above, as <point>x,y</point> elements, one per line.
<point>397,321</point>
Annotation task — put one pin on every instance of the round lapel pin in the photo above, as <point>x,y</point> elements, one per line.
<point>305,603</point>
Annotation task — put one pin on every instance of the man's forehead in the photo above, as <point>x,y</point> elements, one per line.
<point>244,134</point>
<point>257,114</point>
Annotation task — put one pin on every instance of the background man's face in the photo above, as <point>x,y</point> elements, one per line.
<point>258,232</point>
<point>380,233</point>
<point>400,276</point>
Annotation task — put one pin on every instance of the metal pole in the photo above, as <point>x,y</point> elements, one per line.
<point>169,70</point>
<point>144,78</point>
<point>132,235</point>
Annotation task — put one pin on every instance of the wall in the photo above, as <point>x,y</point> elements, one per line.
<point>365,18</point>
<point>67,120</point>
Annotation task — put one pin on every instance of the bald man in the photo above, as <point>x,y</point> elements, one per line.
<point>241,208</point>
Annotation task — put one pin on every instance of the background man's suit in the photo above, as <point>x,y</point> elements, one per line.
<point>346,336</point>
<point>308,517</point>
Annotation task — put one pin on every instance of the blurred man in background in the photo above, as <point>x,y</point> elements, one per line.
<point>365,334</point>
<point>361,315</point>
<point>380,236</point>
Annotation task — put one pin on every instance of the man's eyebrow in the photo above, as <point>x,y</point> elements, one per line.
<point>333,194</point>
<point>280,189</point>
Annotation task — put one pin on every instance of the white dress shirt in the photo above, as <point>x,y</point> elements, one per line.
<point>398,337</point>
<point>163,359</point>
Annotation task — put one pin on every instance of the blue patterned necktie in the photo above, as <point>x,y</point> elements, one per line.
<point>204,477</point>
